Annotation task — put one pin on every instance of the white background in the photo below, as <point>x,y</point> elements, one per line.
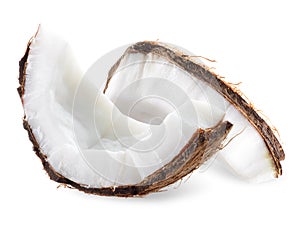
<point>256,42</point>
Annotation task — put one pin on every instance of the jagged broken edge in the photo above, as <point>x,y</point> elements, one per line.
<point>229,92</point>
<point>201,146</point>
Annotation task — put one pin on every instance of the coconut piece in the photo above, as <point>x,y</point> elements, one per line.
<point>253,152</point>
<point>93,146</point>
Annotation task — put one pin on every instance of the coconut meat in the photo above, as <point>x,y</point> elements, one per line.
<point>89,140</point>
<point>246,153</point>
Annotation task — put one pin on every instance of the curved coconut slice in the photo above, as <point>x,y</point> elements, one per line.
<point>86,142</point>
<point>254,151</point>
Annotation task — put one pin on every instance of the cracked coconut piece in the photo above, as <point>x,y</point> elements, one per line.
<point>100,163</point>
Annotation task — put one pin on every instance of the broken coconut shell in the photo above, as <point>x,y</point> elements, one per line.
<point>202,145</point>
<point>153,51</point>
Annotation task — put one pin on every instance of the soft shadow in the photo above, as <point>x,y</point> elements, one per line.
<point>188,188</point>
<point>185,189</point>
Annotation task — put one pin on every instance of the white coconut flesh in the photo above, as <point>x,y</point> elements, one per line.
<point>246,153</point>
<point>92,142</point>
